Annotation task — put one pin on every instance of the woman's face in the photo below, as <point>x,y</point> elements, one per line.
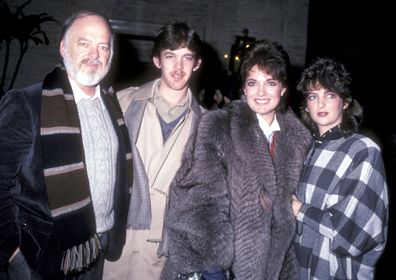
<point>325,108</point>
<point>263,93</point>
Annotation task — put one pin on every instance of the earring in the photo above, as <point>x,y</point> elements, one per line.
<point>306,109</point>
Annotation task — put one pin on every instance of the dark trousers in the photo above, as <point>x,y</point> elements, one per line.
<point>215,273</point>
<point>18,269</point>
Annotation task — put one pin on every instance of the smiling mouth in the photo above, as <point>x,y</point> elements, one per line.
<point>91,63</point>
<point>263,102</point>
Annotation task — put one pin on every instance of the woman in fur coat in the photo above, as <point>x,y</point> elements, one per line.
<point>229,204</point>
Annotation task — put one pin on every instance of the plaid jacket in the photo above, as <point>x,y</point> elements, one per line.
<point>342,225</point>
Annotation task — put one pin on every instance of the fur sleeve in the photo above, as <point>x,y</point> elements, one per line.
<point>197,223</point>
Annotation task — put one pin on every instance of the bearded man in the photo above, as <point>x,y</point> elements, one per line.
<point>65,164</point>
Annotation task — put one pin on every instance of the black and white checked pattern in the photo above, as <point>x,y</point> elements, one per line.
<point>342,225</point>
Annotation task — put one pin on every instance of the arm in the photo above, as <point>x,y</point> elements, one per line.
<point>356,217</point>
<point>15,142</point>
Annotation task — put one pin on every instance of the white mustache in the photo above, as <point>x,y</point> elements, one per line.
<point>91,61</point>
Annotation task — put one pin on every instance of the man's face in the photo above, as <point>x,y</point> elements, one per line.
<point>176,68</point>
<point>87,50</point>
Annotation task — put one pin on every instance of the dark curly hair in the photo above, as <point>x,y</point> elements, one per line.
<point>333,76</point>
<point>271,58</point>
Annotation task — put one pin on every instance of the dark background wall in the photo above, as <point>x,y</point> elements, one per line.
<point>359,33</point>
<point>217,22</point>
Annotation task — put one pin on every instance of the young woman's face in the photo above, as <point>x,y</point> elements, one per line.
<point>325,108</point>
<point>263,93</point>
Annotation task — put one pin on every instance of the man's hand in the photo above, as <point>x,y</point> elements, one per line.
<point>13,255</point>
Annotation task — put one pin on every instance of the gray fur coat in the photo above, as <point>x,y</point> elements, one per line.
<point>229,203</point>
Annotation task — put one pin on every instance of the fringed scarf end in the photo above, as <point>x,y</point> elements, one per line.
<point>81,256</point>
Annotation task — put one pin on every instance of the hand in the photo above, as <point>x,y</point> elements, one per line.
<point>265,201</point>
<point>296,205</point>
<point>13,255</point>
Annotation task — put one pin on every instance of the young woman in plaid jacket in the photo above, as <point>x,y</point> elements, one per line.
<point>341,204</point>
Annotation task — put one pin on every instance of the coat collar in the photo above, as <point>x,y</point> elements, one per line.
<point>146,92</point>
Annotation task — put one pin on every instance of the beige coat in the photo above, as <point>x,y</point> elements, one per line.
<point>155,165</point>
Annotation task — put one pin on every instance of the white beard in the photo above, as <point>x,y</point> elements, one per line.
<point>91,78</point>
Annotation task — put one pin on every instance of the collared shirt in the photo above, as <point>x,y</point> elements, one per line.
<point>167,112</point>
<point>79,94</point>
<point>268,129</point>
<point>332,134</point>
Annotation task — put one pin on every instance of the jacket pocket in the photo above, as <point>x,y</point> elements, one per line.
<point>35,233</point>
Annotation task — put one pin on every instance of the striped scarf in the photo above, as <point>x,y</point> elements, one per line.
<point>65,174</point>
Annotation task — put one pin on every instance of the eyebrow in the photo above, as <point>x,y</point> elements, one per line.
<point>171,52</point>
<point>270,79</point>
<point>91,40</point>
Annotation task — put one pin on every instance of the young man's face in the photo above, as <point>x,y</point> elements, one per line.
<point>176,68</point>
